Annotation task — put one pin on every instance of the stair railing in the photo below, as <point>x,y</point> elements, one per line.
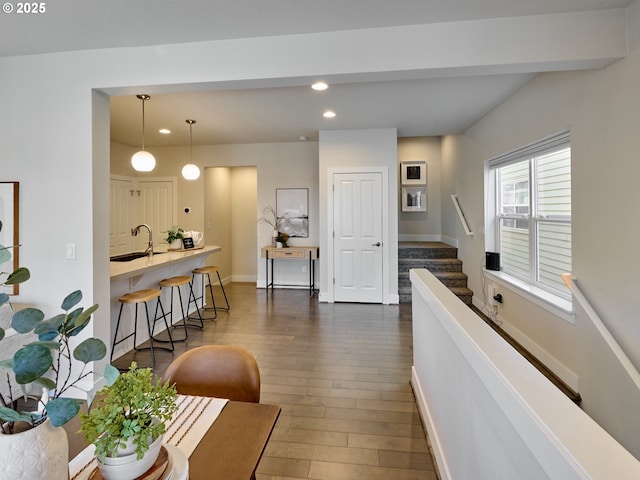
<point>604,332</point>
<point>463,219</point>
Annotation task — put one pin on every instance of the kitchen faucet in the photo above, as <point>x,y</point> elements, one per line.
<point>136,231</point>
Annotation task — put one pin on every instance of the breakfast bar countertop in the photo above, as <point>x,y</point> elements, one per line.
<point>160,259</point>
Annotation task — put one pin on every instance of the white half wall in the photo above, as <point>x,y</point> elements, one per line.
<point>489,413</point>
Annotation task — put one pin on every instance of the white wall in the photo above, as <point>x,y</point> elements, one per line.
<point>422,226</point>
<point>601,107</point>
<point>217,224</point>
<point>360,149</point>
<point>244,201</point>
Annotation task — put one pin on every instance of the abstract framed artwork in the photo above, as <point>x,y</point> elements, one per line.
<point>9,238</point>
<point>413,172</point>
<point>292,211</point>
<point>414,199</point>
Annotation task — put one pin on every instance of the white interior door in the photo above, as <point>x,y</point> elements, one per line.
<point>357,239</point>
<point>122,216</point>
<point>157,209</point>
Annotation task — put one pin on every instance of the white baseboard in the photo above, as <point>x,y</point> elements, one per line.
<point>324,297</point>
<point>450,241</point>
<point>407,237</point>
<point>567,376</point>
<point>241,279</point>
<point>432,433</point>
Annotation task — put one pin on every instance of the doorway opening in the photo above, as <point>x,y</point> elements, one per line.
<point>230,205</point>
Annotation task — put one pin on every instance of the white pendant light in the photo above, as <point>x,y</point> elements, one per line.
<point>191,171</point>
<point>143,161</point>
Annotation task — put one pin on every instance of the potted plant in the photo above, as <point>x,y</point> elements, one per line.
<point>127,420</point>
<point>282,239</point>
<point>269,217</point>
<point>46,363</point>
<point>174,237</point>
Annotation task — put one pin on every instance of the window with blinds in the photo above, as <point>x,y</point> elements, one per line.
<point>533,212</point>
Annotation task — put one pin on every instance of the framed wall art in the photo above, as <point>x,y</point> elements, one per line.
<point>413,172</point>
<point>292,211</point>
<point>414,199</point>
<point>9,238</point>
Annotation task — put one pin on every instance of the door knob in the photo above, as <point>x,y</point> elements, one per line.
<point>377,244</point>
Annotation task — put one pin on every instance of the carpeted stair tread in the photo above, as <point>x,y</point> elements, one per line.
<point>426,250</point>
<point>452,279</point>
<point>437,257</point>
<point>433,264</point>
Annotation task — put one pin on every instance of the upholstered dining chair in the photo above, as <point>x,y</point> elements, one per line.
<point>223,371</point>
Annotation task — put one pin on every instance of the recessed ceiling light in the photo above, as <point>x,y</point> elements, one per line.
<point>329,114</point>
<point>319,86</point>
<point>165,131</point>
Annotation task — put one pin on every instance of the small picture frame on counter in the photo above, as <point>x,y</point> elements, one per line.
<point>187,243</point>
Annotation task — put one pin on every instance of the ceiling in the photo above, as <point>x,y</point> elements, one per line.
<point>267,115</point>
<point>276,114</point>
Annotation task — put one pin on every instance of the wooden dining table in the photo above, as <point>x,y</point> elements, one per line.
<point>230,449</point>
<point>234,444</point>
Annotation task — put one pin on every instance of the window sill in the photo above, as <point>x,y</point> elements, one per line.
<point>553,303</point>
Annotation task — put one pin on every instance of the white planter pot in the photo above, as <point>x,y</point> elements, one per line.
<point>127,466</point>
<point>41,452</point>
<point>176,244</point>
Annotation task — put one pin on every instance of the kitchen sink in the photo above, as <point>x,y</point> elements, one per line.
<point>127,257</point>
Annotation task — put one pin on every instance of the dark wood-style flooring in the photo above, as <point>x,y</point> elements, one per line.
<point>341,374</point>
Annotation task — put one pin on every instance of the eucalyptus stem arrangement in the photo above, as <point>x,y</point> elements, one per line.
<point>47,362</point>
<point>269,217</point>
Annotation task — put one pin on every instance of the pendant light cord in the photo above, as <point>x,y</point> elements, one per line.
<point>190,122</point>
<point>143,100</point>
<point>144,97</point>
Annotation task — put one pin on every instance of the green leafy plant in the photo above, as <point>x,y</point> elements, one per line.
<point>46,362</point>
<point>134,406</point>
<point>174,233</point>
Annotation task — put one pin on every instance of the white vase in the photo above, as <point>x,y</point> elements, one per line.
<point>176,244</point>
<point>41,452</point>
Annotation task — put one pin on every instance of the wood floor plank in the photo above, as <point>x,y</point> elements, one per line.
<point>342,471</point>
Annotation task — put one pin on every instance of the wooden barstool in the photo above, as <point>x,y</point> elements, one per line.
<point>207,271</point>
<point>136,298</point>
<point>178,282</point>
